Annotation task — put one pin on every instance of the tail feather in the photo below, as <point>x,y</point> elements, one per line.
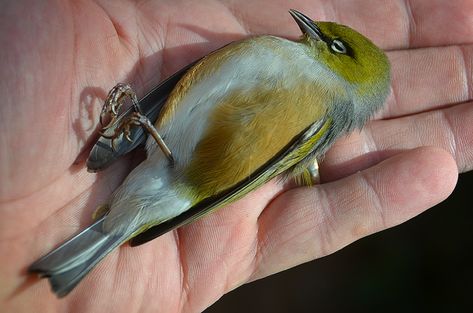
<point>67,265</point>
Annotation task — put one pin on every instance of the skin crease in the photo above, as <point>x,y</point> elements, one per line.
<point>55,77</point>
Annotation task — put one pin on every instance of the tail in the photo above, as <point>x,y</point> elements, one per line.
<point>67,265</point>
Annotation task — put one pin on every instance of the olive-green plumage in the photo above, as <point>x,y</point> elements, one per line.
<point>240,116</point>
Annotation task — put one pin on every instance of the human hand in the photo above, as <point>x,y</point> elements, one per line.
<point>59,62</point>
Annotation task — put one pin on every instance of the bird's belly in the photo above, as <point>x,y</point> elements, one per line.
<point>246,131</point>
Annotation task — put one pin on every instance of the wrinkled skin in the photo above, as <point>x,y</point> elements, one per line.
<point>59,59</point>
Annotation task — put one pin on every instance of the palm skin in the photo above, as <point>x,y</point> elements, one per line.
<point>59,60</point>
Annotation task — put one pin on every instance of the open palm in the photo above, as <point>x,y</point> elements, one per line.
<point>58,62</point>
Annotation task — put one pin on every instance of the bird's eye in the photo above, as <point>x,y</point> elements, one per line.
<point>338,46</point>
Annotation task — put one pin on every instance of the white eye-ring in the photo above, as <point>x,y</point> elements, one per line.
<point>338,46</point>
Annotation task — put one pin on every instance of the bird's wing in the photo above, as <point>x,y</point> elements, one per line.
<point>311,138</point>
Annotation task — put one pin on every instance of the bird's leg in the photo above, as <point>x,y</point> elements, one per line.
<point>100,211</point>
<point>114,102</point>
<point>143,120</point>
<point>308,174</point>
<point>112,106</point>
<point>138,119</point>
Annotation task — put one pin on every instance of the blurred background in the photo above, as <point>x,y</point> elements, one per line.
<point>423,265</point>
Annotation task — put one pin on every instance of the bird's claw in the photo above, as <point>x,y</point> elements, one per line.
<point>114,102</point>
<point>135,119</point>
<point>111,109</point>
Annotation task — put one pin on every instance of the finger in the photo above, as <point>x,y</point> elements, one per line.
<point>450,129</point>
<point>392,24</point>
<point>425,79</point>
<point>407,24</point>
<point>308,223</point>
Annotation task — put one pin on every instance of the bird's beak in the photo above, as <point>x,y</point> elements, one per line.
<point>306,25</point>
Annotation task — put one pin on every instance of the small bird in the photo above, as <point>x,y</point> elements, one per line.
<point>240,116</point>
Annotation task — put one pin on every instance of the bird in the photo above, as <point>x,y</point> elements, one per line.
<point>255,109</point>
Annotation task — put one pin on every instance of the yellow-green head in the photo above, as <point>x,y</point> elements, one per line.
<point>353,58</point>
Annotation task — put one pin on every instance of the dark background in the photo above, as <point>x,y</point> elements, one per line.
<point>423,265</point>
